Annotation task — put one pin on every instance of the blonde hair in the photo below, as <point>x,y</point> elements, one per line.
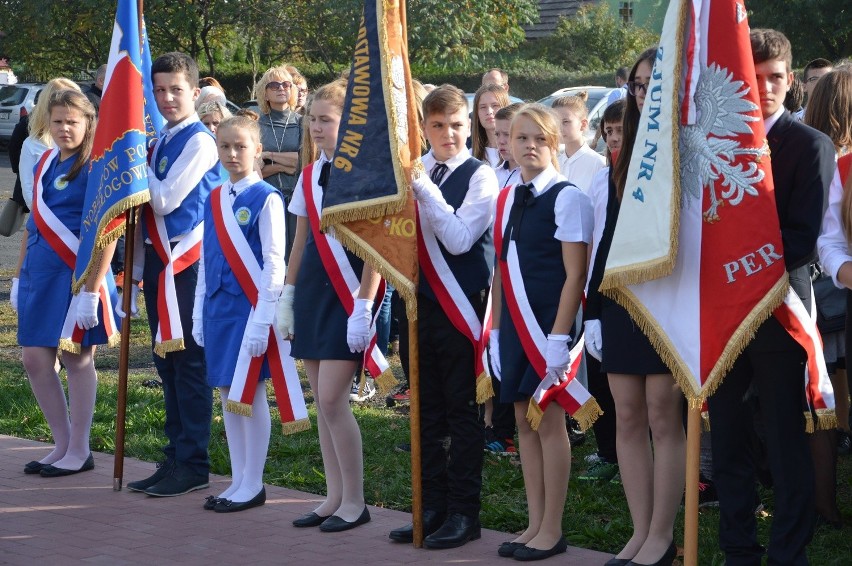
<point>76,100</point>
<point>245,122</point>
<point>279,74</point>
<point>479,137</point>
<point>334,93</point>
<point>39,121</point>
<point>575,103</point>
<point>211,107</point>
<point>547,122</point>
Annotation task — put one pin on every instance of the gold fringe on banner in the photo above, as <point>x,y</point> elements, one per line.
<point>67,345</point>
<point>242,409</point>
<point>174,345</point>
<point>114,341</point>
<point>293,427</point>
<point>826,419</point>
<point>534,414</point>
<point>384,382</point>
<point>484,388</point>
<point>705,421</point>
<point>587,414</point>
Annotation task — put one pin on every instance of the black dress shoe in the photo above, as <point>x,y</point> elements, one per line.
<point>34,467</point>
<point>179,481</point>
<point>456,531</point>
<point>666,560</point>
<point>335,524</point>
<point>51,471</point>
<point>163,469</point>
<point>431,521</point>
<point>228,506</point>
<point>309,520</point>
<point>527,554</point>
<point>617,562</point>
<point>507,549</point>
<point>210,502</point>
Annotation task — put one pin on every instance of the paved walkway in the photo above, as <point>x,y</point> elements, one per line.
<point>80,519</point>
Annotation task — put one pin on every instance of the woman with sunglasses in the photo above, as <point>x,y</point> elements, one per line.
<point>281,137</point>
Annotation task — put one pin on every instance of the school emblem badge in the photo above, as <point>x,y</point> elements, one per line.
<point>243,215</point>
<point>61,183</point>
<point>161,166</point>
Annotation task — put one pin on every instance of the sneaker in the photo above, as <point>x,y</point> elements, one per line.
<point>502,447</point>
<point>616,479</point>
<point>164,468</point>
<point>178,482</point>
<point>367,393</point>
<point>593,458</point>
<point>401,396</point>
<point>575,435</point>
<point>404,447</point>
<point>601,470</point>
<point>707,493</point>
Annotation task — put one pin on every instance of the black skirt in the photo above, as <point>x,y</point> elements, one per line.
<point>626,349</point>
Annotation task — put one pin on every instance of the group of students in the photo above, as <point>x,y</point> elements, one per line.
<point>499,221</point>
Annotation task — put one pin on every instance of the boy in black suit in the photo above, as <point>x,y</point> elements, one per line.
<point>802,168</point>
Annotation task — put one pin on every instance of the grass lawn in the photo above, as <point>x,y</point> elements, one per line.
<point>596,515</point>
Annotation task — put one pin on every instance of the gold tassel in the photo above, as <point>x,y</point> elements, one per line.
<point>705,421</point>
<point>809,422</point>
<point>163,348</point>
<point>826,419</point>
<point>296,426</point>
<point>385,382</point>
<point>587,414</point>
<point>484,388</point>
<point>534,414</point>
<point>114,340</point>
<point>68,345</point>
<point>242,409</point>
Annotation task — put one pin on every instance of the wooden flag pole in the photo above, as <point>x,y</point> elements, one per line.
<point>416,468</point>
<point>693,451</point>
<point>124,351</point>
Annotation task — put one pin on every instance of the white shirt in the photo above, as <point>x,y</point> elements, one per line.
<point>572,210</point>
<point>581,167</point>
<point>492,157</point>
<point>459,229</point>
<point>199,155</point>
<point>507,177</point>
<point>31,152</point>
<point>832,245</point>
<point>297,200</point>
<point>769,122</point>
<point>617,94</point>
<point>598,194</point>
<point>272,242</point>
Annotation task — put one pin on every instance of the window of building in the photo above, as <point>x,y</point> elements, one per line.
<point>625,10</point>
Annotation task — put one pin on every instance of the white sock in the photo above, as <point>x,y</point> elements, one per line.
<point>256,430</point>
<point>40,364</point>
<point>82,389</point>
<point>236,450</point>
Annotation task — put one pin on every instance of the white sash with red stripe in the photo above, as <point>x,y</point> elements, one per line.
<point>570,394</point>
<point>169,336</point>
<point>285,378</point>
<point>819,394</point>
<point>344,280</point>
<point>455,304</point>
<point>65,244</point>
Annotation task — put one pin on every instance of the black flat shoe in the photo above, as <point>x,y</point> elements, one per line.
<point>210,502</point>
<point>34,467</point>
<point>507,549</point>
<point>527,554</point>
<point>431,521</point>
<point>457,530</point>
<point>666,560</point>
<point>228,506</point>
<point>309,520</point>
<point>51,471</point>
<point>335,524</point>
<point>617,562</point>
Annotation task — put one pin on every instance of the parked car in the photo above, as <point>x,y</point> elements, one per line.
<point>471,95</point>
<point>15,101</point>
<point>596,104</point>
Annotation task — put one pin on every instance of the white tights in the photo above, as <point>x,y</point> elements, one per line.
<point>248,443</point>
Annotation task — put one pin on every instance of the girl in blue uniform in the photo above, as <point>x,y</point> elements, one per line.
<point>320,331</point>
<point>44,293</point>
<point>550,225</point>
<point>222,315</point>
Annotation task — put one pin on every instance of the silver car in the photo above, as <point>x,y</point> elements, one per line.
<point>596,104</point>
<point>15,101</point>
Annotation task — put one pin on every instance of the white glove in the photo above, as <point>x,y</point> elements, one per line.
<point>198,320</point>
<point>358,326</point>
<point>423,186</point>
<point>494,353</point>
<point>284,312</point>
<point>134,310</point>
<point>256,338</point>
<point>13,294</point>
<point>594,341</point>
<point>87,309</point>
<point>557,356</point>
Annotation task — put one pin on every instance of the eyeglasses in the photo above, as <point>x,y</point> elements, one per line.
<point>303,91</point>
<point>633,87</point>
<point>275,85</point>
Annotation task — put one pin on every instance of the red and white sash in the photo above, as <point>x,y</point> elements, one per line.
<point>186,252</point>
<point>344,280</point>
<point>65,244</point>
<point>285,378</point>
<point>455,304</point>
<point>819,394</point>
<point>570,394</point>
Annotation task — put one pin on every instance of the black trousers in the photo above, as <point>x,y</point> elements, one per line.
<point>774,363</point>
<point>188,397</point>
<point>452,481</point>
<point>604,427</point>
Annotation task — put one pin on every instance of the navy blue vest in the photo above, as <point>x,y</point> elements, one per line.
<point>473,268</point>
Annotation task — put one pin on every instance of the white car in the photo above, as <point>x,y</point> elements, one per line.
<point>596,104</point>
<point>15,101</point>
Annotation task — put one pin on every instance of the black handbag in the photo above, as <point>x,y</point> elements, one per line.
<point>830,305</point>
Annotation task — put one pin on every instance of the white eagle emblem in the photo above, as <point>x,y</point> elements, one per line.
<point>710,153</point>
